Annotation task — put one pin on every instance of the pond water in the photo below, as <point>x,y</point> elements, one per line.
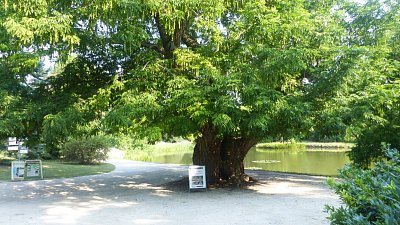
<point>318,162</point>
<point>308,161</point>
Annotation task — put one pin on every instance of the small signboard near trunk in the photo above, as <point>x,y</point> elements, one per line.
<point>197,177</point>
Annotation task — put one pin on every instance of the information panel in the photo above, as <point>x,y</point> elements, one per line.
<point>33,168</point>
<point>197,177</point>
<point>17,170</point>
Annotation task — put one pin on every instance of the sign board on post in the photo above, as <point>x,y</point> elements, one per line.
<point>13,148</point>
<point>17,170</point>
<point>13,144</point>
<point>12,141</point>
<point>23,150</point>
<point>33,168</point>
<point>197,177</point>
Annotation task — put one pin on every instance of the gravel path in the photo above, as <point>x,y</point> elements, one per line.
<point>141,193</point>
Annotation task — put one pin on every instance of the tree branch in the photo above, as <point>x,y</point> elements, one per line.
<point>165,38</point>
<point>154,47</point>
<point>189,41</point>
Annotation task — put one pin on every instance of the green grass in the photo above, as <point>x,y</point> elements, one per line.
<point>53,169</point>
<point>306,145</point>
<point>281,145</point>
<point>162,148</point>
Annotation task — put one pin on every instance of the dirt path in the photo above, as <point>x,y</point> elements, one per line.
<point>136,193</point>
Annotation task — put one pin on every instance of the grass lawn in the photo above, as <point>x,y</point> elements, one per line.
<point>57,169</point>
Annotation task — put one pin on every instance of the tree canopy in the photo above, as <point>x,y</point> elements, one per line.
<point>225,73</point>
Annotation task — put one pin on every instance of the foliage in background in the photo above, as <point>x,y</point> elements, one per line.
<point>357,99</point>
<point>371,196</point>
<point>86,150</point>
<point>372,143</point>
<point>128,142</point>
<point>147,152</point>
<point>371,88</point>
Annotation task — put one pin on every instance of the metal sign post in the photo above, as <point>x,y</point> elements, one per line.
<point>15,145</point>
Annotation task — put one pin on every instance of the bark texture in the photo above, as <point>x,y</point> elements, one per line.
<point>222,157</point>
<point>232,153</point>
<point>206,153</point>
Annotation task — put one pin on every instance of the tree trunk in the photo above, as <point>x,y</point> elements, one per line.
<point>223,158</point>
<point>232,153</point>
<point>206,153</point>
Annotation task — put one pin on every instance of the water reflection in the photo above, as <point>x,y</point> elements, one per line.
<point>318,162</point>
<point>297,161</point>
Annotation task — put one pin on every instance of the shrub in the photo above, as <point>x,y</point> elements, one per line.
<point>373,142</point>
<point>86,151</point>
<point>371,196</point>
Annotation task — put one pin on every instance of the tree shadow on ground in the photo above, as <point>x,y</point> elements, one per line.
<point>151,194</point>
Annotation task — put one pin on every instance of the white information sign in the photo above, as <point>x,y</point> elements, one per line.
<point>197,177</point>
<point>12,141</point>
<point>23,150</point>
<point>17,170</point>
<point>12,148</point>
<point>13,144</point>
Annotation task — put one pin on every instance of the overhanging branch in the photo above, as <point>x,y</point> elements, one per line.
<point>154,47</point>
<point>189,41</point>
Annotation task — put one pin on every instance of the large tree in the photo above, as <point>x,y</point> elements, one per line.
<point>227,73</point>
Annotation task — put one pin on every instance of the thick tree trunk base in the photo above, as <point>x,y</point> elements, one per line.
<point>222,157</point>
<point>206,153</point>
<point>182,185</point>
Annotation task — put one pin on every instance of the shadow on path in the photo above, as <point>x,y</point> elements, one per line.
<point>136,193</point>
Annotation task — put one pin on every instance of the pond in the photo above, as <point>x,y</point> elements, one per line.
<point>306,161</point>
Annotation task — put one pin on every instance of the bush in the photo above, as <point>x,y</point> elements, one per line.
<point>372,143</point>
<point>371,196</point>
<point>86,151</point>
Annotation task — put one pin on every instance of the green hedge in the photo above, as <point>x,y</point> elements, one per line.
<point>370,196</point>
<point>86,151</point>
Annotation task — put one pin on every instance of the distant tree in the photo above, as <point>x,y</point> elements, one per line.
<point>370,87</point>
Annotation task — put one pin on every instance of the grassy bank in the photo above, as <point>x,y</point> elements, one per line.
<point>148,152</point>
<point>53,169</point>
<point>306,145</point>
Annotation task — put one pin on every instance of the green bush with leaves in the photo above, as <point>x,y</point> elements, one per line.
<point>86,151</point>
<point>371,196</point>
<point>372,143</point>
